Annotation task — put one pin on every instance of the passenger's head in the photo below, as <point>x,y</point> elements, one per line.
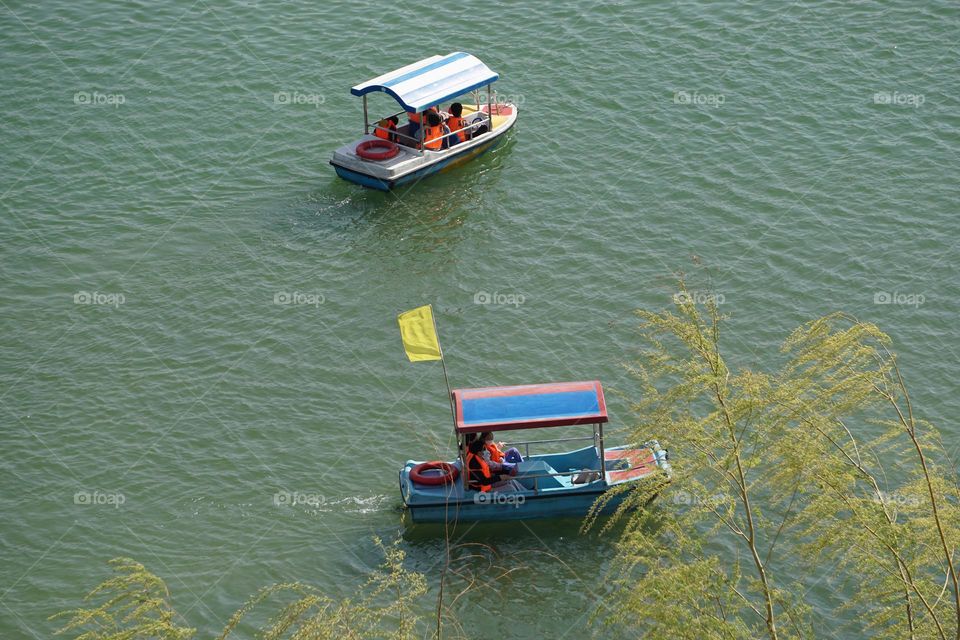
<point>433,119</point>
<point>456,109</point>
<point>394,119</point>
<point>476,446</point>
<point>487,436</point>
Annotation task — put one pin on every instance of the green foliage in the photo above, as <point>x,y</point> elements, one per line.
<point>136,605</point>
<point>382,609</point>
<point>808,456</point>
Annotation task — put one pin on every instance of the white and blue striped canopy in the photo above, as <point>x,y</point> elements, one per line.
<point>429,82</point>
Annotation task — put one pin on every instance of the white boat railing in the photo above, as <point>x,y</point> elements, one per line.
<point>526,448</point>
<point>598,473</point>
<point>587,472</point>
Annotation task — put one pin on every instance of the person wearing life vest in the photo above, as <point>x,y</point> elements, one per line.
<point>433,131</point>
<point>480,477</point>
<point>493,453</point>
<point>455,122</point>
<point>416,120</point>
<point>387,128</point>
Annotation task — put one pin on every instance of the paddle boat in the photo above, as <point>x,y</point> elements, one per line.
<point>553,484</point>
<point>379,162</point>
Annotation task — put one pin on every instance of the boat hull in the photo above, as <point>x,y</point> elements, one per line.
<point>455,160</point>
<point>410,165</point>
<point>530,508</point>
<point>453,503</point>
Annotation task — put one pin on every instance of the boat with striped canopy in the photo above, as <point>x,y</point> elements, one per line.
<point>400,156</point>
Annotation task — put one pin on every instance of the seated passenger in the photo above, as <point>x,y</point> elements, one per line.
<point>387,128</point>
<point>433,131</point>
<point>493,451</point>
<point>414,127</point>
<point>415,121</point>
<point>481,477</point>
<point>456,122</point>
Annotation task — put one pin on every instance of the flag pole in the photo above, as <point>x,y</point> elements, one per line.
<point>443,363</point>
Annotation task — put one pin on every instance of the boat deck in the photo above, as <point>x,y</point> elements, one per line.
<point>622,465</point>
<point>410,159</point>
<point>542,496</point>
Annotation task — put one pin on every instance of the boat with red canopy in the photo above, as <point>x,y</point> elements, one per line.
<point>545,484</point>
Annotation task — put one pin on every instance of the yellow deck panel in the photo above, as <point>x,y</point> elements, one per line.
<point>470,109</point>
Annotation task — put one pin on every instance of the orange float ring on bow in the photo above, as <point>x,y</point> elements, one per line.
<point>387,149</point>
<point>499,109</point>
<point>449,474</point>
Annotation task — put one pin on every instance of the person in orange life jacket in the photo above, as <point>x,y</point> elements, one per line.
<point>455,122</point>
<point>415,121</point>
<point>494,453</point>
<point>387,128</point>
<point>482,477</point>
<point>433,132</point>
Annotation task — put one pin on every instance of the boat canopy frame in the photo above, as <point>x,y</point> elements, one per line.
<point>428,82</point>
<point>531,406</point>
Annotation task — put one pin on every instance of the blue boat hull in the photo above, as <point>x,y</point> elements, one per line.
<point>533,507</point>
<point>545,497</point>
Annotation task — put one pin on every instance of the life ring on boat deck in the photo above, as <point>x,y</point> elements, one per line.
<point>388,149</point>
<point>418,475</point>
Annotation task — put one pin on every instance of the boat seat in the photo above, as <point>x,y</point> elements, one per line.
<point>535,468</point>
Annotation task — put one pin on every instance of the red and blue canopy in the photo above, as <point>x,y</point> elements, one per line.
<point>529,406</point>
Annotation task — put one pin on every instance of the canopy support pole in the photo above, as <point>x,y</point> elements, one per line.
<point>603,460</point>
<point>423,115</point>
<point>489,110</point>
<point>366,122</point>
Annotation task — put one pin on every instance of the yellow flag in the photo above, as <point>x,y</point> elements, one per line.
<point>419,334</point>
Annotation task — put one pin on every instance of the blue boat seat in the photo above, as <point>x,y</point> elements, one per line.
<point>529,468</point>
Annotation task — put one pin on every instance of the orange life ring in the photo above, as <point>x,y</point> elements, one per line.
<point>449,474</point>
<point>389,149</point>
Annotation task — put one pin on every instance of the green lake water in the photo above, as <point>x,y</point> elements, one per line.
<point>800,158</point>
